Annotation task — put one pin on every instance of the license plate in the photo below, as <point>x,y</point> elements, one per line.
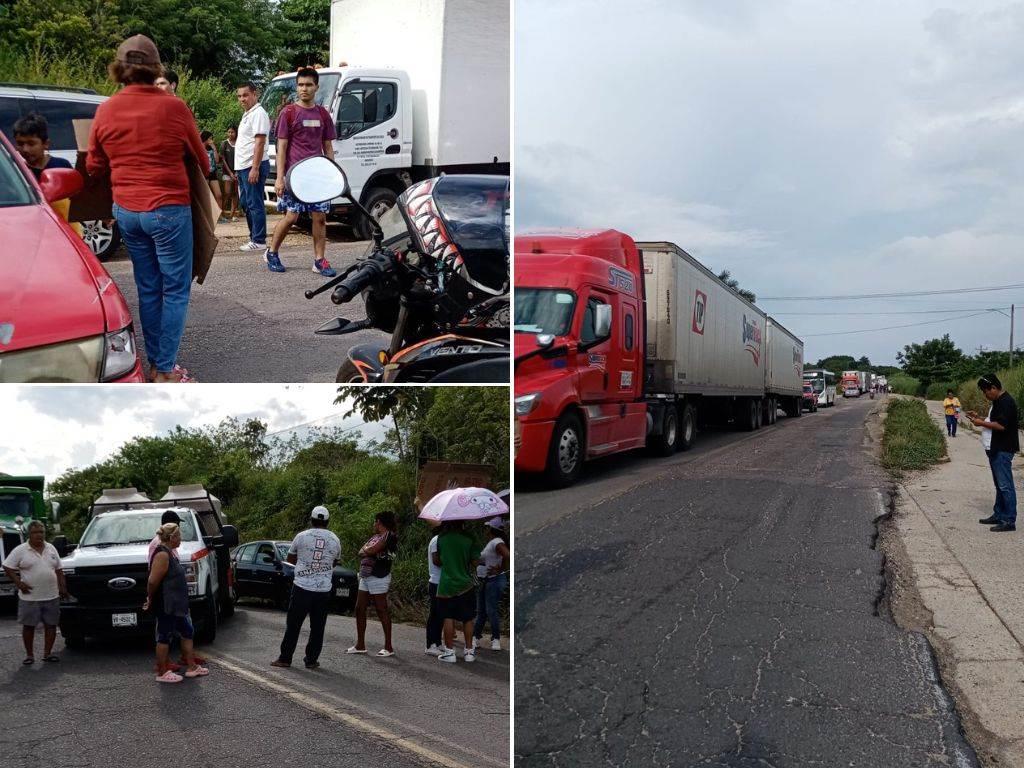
<point>125,619</point>
<point>342,592</point>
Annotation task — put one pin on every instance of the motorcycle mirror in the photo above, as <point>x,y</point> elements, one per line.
<point>316,180</point>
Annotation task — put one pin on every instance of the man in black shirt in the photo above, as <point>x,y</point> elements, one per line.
<point>1001,443</point>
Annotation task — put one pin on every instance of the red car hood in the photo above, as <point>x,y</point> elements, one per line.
<point>47,294</point>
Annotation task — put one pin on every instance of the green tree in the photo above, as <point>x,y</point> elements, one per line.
<point>934,360</point>
<point>306,38</point>
<point>726,277</point>
<point>403,405</point>
<point>86,30</point>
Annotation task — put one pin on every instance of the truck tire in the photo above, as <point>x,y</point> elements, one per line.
<point>565,454</point>
<point>208,633</point>
<point>798,410</point>
<point>687,428</point>
<point>378,201</point>
<point>667,442</point>
<point>773,410</point>
<point>748,414</point>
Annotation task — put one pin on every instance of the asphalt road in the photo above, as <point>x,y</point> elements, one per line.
<point>719,608</point>
<point>247,324</point>
<point>100,706</point>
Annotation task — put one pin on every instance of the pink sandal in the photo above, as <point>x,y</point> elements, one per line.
<point>169,677</point>
<point>197,672</point>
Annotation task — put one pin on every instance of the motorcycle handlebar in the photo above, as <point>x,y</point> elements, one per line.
<point>369,272</point>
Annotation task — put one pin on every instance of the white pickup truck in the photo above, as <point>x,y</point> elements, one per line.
<point>108,569</point>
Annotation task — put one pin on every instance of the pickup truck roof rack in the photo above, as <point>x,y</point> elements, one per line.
<point>193,496</point>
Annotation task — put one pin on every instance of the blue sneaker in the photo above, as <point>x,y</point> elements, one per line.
<point>273,261</point>
<point>323,266</point>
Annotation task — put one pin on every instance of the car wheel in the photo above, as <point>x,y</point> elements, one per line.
<point>378,201</point>
<point>102,238</point>
<point>565,454</point>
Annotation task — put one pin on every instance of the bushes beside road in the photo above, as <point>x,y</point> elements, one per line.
<point>1013,382</point>
<point>911,439</point>
<point>902,384</point>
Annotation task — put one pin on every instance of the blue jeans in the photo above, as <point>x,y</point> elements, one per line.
<point>487,603</point>
<point>251,197</point>
<point>160,244</point>
<point>951,426</point>
<point>1005,508</point>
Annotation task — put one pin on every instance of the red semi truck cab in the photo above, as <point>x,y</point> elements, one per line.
<point>579,349</point>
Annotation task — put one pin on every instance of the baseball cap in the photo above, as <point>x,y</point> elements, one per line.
<point>320,513</point>
<point>497,523</point>
<point>170,516</point>
<point>138,50</point>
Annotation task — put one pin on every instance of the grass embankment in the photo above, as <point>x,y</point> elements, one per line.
<point>911,439</point>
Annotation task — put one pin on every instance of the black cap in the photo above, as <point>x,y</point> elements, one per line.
<point>170,516</point>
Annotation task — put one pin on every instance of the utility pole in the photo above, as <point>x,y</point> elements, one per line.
<point>1011,335</point>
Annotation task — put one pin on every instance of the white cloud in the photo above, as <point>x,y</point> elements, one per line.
<point>50,429</point>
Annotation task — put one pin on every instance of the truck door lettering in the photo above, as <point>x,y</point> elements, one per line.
<point>621,279</point>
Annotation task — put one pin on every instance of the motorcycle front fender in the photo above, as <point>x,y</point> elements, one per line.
<point>365,359</point>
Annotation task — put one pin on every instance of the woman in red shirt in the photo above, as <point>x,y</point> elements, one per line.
<point>144,137</point>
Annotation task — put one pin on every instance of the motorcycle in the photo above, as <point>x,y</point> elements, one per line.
<point>436,277</point>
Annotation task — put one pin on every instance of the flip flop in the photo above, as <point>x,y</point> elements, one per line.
<point>353,649</point>
<point>384,653</point>
<point>31,660</point>
<point>51,658</point>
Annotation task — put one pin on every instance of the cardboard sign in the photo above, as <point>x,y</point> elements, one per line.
<point>437,476</point>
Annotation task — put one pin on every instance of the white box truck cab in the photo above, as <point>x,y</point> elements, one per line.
<point>416,89</point>
<point>108,569</point>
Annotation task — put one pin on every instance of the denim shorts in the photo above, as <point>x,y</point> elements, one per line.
<point>167,624</point>
<point>33,612</point>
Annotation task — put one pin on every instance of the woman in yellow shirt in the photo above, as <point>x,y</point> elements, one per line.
<point>951,405</point>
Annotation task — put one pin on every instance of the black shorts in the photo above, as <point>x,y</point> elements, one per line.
<point>461,608</point>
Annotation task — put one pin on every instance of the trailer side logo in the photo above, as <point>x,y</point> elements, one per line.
<point>752,339</point>
<point>700,306</point>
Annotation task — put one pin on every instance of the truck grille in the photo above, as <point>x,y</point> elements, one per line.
<point>91,586</point>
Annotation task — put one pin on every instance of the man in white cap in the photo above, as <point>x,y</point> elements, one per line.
<point>314,553</point>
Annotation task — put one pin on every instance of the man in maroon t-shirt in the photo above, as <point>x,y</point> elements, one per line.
<point>304,129</point>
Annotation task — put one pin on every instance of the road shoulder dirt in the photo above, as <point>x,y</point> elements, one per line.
<point>952,579</point>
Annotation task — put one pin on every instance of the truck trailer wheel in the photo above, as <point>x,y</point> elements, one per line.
<point>748,414</point>
<point>565,454</point>
<point>667,442</point>
<point>687,428</point>
<point>798,409</point>
<point>773,410</point>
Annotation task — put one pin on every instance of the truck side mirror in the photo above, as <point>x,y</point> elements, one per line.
<point>602,321</point>
<point>230,535</point>
<point>545,340</point>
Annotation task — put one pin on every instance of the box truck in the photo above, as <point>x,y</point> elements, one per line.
<point>416,89</point>
<point>622,344</point>
<point>21,502</point>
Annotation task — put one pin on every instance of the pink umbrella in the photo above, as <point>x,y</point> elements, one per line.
<point>463,504</point>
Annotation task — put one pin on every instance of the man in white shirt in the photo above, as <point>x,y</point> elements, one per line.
<point>251,165</point>
<point>34,567</point>
<point>314,553</point>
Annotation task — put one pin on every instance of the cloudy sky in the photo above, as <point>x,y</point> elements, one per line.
<point>49,430</point>
<point>812,148</point>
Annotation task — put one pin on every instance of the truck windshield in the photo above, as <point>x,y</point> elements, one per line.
<point>544,310</point>
<point>137,527</point>
<point>282,92</point>
<point>14,504</point>
<point>817,385</point>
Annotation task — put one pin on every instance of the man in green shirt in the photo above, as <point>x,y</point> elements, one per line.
<point>457,555</point>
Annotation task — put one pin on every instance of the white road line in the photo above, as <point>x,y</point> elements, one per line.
<point>369,727</point>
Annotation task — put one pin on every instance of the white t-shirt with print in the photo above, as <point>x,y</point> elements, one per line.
<point>37,571</point>
<point>434,570</point>
<point>255,122</point>
<point>315,551</point>
<point>489,556</point>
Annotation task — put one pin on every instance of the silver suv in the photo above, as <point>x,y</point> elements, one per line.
<point>60,106</point>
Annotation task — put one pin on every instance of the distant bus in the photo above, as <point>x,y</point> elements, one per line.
<point>824,384</point>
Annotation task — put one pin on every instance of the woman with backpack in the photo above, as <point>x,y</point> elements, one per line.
<point>375,559</point>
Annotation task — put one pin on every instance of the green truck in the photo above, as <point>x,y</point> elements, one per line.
<point>21,501</point>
